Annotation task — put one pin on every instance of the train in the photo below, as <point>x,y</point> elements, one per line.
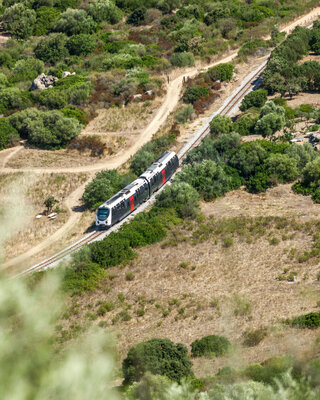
<point>129,198</point>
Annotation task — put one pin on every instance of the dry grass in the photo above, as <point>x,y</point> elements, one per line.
<point>37,189</point>
<point>197,288</point>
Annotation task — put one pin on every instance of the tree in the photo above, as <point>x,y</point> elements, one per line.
<point>137,17</point>
<point>210,346</point>
<point>246,123</point>
<point>181,196</point>
<point>101,188</point>
<point>256,98</point>
<point>19,21</point>
<point>141,161</point>
<point>220,125</point>
<point>49,202</point>
<point>302,154</point>
<point>8,135</point>
<point>282,166</point>
<point>74,22</point>
<point>81,44</point>
<point>27,69</point>
<point>105,10</point>
<point>208,178</point>
<point>52,48</point>
<point>183,59</point>
<point>311,174</point>
<point>158,356</point>
<point>53,98</point>
<point>13,98</point>
<point>192,94</point>
<point>46,17</point>
<point>247,158</point>
<point>184,114</point>
<point>222,72</point>
<point>269,124</point>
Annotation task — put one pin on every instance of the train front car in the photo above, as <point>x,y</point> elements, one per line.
<point>161,170</point>
<point>103,217</point>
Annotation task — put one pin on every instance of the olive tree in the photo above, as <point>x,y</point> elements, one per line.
<point>220,125</point>
<point>19,21</point>
<point>52,48</point>
<point>105,10</point>
<point>283,167</point>
<point>74,22</point>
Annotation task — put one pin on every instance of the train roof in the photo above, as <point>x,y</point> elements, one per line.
<point>124,193</point>
<point>158,164</point>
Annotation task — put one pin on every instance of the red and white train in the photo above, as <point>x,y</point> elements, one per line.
<point>140,190</point>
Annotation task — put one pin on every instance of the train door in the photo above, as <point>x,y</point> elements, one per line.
<point>131,203</point>
<point>163,172</point>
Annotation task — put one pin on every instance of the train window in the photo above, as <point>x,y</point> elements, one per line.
<point>122,205</point>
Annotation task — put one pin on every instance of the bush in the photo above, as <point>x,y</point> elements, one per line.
<point>183,59</point>
<point>13,98</point>
<point>256,98</point>
<point>52,48</point>
<point>208,178</point>
<point>184,114</point>
<point>194,93</point>
<point>246,123</point>
<point>73,22</point>
<point>79,94</point>
<point>27,69</point>
<point>143,230</point>
<point>111,251</point>
<point>83,277</point>
<point>311,321</point>
<point>8,135</point>
<point>105,10</point>
<point>46,17</point>
<point>220,125</point>
<point>282,167</point>
<point>19,21</point>
<point>74,112</point>
<point>137,17</point>
<point>53,99</point>
<point>221,72</point>
<point>210,346</point>
<point>101,188</point>
<point>181,196</point>
<point>82,44</point>
<point>90,142</point>
<point>158,356</point>
<point>252,337</point>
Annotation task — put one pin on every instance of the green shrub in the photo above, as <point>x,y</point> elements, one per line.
<point>137,17</point>
<point>183,59</point>
<point>52,48</point>
<point>46,17</point>
<point>101,188</point>
<point>246,123</point>
<point>53,99</point>
<point>256,98</point>
<point>311,321</point>
<point>181,196</point>
<point>81,44</point>
<point>221,72</point>
<point>19,21</point>
<point>158,356</point>
<point>269,370</point>
<point>210,346</point>
<point>27,69</point>
<point>83,277</point>
<point>74,112</point>
<point>73,22</point>
<point>194,93</point>
<point>220,125</point>
<point>143,230</point>
<point>13,98</point>
<point>104,10</point>
<point>111,251</point>
<point>184,114</point>
<point>8,135</point>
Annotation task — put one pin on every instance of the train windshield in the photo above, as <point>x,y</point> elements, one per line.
<point>103,213</point>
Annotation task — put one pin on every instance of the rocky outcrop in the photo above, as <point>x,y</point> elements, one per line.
<point>43,82</point>
<point>67,73</point>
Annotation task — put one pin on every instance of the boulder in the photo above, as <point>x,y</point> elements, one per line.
<point>67,73</point>
<point>43,82</point>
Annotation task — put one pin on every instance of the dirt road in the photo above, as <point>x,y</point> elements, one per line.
<point>170,101</point>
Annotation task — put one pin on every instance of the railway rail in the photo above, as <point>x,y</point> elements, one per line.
<point>251,82</point>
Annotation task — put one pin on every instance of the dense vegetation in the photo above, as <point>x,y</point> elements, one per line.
<point>136,40</point>
<point>210,346</point>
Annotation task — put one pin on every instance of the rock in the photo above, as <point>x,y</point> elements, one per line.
<point>137,96</point>
<point>65,74</point>
<point>149,92</point>
<point>43,82</point>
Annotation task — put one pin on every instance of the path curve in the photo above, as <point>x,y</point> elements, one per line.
<point>171,100</point>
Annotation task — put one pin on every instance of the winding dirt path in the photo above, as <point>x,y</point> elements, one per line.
<point>169,103</point>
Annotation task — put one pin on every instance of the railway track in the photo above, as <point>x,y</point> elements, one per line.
<point>249,84</point>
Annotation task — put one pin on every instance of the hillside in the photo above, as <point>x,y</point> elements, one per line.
<point>212,292</point>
